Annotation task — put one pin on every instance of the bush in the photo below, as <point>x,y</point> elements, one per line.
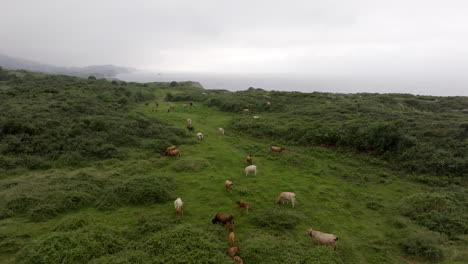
<point>138,191</point>
<point>59,120</point>
<point>152,223</point>
<point>72,158</point>
<point>186,244</point>
<point>78,246</point>
<point>125,257</point>
<point>72,223</point>
<point>422,245</point>
<point>145,190</point>
<point>7,163</point>
<point>158,145</point>
<point>278,250</point>
<point>34,162</point>
<point>41,198</point>
<point>438,211</point>
<point>275,219</point>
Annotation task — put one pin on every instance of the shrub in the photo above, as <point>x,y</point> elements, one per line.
<point>109,201</point>
<point>72,223</point>
<point>144,190</point>
<point>277,250</point>
<point>41,198</point>
<point>138,191</point>
<point>152,223</point>
<point>63,119</point>
<point>78,246</point>
<point>186,244</point>
<point>438,211</point>
<point>275,219</point>
<point>125,257</point>
<point>7,163</point>
<point>34,162</point>
<point>422,245</point>
<point>72,158</point>
<point>158,145</point>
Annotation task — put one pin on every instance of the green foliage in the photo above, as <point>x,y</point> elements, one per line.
<point>78,246</point>
<point>42,198</point>
<point>61,120</point>
<point>341,191</point>
<point>186,244</point>
<point>125,257</point>
<point>72,223</point>
<point>422,245</point>
<point>138,191</point>
<point>275,218</point>
<point>442,211</point>
<point>152,223</point>
<point>422,133</point>
<point>275,250</point>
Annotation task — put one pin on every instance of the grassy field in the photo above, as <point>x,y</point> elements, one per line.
<point>351,195</point>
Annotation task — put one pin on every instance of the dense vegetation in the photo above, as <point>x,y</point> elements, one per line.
<point>422,134</point>
<point>47,120</point>
<point>83,180</point>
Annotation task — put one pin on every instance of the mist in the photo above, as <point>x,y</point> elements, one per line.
<point>418,47</point>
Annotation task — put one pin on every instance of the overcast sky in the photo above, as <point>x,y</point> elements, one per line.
<point>326,38</point>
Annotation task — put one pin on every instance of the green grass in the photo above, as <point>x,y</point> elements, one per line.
<point>349,195</point>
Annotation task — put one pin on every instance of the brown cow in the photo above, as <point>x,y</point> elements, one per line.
<point>174,153</point>
<point>228,185</point>
<point>169,149</point>
<point>243,205</point>
<point>277,149</point>
<point>249,159</point>
<point>222,218</point>
<point>238,260</point>
<point>233,251</point>
<point>232,237</point>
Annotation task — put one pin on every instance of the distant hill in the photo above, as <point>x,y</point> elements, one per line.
<point>99,71</point>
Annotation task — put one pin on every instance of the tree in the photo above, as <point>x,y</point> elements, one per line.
<point>173,84</point>
<point>91,78</point>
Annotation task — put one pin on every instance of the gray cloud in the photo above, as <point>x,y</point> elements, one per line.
<point>329,38</point>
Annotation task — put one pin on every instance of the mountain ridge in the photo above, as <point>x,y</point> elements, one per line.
<point>99,71</point>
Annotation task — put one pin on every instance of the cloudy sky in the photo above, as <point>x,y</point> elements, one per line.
<point>325,38</point>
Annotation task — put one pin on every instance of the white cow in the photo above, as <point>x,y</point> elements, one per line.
<point>249,169</point>
<point>286,196</point>
<point>178,203</point>
<point>200,136</point>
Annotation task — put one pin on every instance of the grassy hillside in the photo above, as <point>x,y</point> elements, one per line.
<point>422,134</point>
<point>118,208</point>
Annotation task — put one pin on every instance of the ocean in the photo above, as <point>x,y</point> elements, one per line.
<point>419,85</point>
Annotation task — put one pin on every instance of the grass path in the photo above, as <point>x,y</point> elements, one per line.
<point>335,194</point>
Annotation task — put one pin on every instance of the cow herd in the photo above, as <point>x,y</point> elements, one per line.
<point>227,219</point>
